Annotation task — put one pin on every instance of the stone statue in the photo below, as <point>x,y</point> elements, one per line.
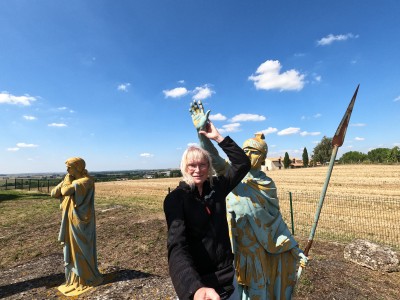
<point>78,229</point>
<point>265,252</point>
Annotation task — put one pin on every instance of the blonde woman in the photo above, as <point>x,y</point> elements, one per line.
<point>199,250</point>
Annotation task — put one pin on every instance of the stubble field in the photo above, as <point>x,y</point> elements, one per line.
<point>132,239</point>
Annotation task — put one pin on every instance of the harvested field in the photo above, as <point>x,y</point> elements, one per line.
<point>132,240</point>
<point>360,180</point>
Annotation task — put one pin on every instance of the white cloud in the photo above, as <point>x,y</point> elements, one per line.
<point>57,125</point>
<point>192,144</point>
<point>233,127</point>
<point>181,81</point>
<point>359,138</point>
<point>62,108</point>
<point>318,115</point>
<point>8,98</point>
<point>269,130</point>
<point>29,118</point>
<point>288,131</point>
<point>329,39</point>
<point>217,117</point>
<point>176,92</point>
<point>397,99</point>
<point>358,124</point>
<point>202,92</point>
<point>317,78</point>
<point>123,87</point>
<point>25,145</point>
<point>13,149</point>
<point>305,133</point>
<point>396,144</point>
<point>268,77</point>
<point>247,117</point>
<point>147,155</point>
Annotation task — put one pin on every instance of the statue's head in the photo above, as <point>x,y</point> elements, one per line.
<point>256,149</point>
<point>78,165</point>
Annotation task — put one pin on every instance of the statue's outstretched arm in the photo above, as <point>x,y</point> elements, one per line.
<point>200,122</point>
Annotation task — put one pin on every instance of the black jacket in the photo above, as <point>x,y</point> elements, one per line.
<point>199,249</point>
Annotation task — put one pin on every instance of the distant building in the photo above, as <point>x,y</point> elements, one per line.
<point>276,163</point>
<point>273,163</point>
<point>296,163</point>
<point>148,176</point>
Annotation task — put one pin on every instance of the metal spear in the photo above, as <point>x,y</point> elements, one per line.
<point>337,141</point>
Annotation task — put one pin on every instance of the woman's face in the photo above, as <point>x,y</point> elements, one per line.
<point>198,169</point>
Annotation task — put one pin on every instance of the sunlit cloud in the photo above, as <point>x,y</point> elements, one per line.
<point>181,81</point>
<point>57,125</point>
<point>329,39</point>
<point>202,92</point>
<point>289,131</point>
<point>306,133</point>
<point>217,117</point>
<point>318,115</point>
<point>233,127</point>
<point>247,117</point>
<point>176,92</point>
<point>123,87</point>
<point>13,149</point>
<point>358,124</point>
<point>29,118</point>
<point>25,145</point>
<point>359,138</point>
<point>396,99</point>
<point>317,78</point>
<point>7,98</point>
<point>146,155</point>
<point>268,77</point>
<point>269,130</point>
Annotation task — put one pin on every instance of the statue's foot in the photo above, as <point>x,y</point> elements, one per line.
<point>72,290</point>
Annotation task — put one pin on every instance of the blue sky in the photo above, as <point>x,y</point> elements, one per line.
<point>112,81</point>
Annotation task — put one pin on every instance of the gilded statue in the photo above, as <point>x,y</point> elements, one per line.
<point>78,229</point>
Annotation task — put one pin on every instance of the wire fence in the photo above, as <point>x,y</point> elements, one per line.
<point>41,185</point>
<point>344,218</point>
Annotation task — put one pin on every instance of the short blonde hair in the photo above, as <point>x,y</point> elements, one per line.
<point>195,153</point>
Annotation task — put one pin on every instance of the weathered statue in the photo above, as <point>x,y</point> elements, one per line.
<point>265,251</point>
<point>78,229</point>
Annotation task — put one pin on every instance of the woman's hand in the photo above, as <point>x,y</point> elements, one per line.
<point>205,293</point>
<point>212,133</point>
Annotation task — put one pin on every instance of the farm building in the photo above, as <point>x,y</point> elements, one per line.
<point>276,163</point>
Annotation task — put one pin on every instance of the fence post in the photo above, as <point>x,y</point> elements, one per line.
<point>291,211</point>
<point>169,190</point>
<point>6,184</point>
<point>15,184</point>
<point>48,186</point>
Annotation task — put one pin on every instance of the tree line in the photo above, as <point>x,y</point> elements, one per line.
<point>323,150</point>
<point>322,153</point>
